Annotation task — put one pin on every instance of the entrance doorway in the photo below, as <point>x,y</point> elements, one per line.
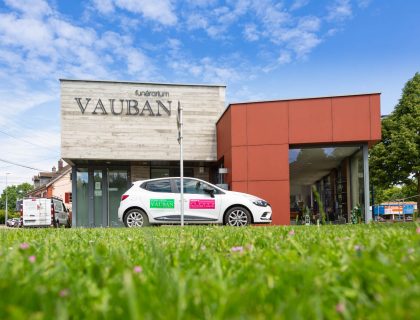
<point>98,193</point>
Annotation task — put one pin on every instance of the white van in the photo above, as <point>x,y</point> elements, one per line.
<point>44,212</point>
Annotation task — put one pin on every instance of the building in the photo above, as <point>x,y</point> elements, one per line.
<point>56,183</point>
<point>280,150</point>
<point>114,133</point>
<point>60,186</point>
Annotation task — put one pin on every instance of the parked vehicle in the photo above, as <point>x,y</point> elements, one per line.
<point>13,223</point>
<point>44,212</point>
<point>157,201</point>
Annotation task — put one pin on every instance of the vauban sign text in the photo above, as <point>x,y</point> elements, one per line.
<point>153,106</point>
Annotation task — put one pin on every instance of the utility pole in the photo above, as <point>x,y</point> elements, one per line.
<point>181,158</point>
<point>5,216</point>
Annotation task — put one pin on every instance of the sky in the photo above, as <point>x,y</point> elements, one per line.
<point>259,49</point>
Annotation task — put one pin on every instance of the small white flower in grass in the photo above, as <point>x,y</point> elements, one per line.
<point>32,259</point>
<point>24,246</point>
<point>137,269</point>
<point>357,247</point>
<point>249,247</point>
<point>237,249</point>
<point>291,232</point>
<point>203,247</point>
<point>418,230</point>
<point>410,250</point>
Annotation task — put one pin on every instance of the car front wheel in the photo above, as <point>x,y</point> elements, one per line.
<point>136,218</point>
<point>237,217</point>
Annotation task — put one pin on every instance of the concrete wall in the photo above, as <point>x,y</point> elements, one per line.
<point>105,133</point>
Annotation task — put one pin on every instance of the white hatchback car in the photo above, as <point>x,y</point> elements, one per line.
<point>157,201</point>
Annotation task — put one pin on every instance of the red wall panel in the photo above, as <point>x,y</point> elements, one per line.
<point>267,123</point>
<point>268,162</point>
<point>238,125</point>
<point>223,131</point>
<point>240,186</point>
<point>351,118</point>
<point>375,117</point>
<point>277,194</point>
<point>240,159</point>
<point>310,121</point>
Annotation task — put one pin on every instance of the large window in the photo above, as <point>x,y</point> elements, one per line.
<point>331,177</point>
<point>82,203</point>
<point>357,181</point>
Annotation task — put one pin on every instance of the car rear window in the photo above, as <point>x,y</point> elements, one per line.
<point>158,186</point>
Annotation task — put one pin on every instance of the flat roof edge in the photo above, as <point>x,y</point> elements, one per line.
<point>150,83</point>
<point>295,99</point>
<point>310,98</point>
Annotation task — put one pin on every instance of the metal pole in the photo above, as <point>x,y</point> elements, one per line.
<point>5,216</point>
<point>181,160</point>
<point>368,215</point>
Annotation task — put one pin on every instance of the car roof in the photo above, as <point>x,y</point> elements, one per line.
<point>165,178</point>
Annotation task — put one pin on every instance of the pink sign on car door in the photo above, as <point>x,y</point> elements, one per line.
<point>202,204</point>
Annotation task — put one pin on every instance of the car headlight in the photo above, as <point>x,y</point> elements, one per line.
<point>260,203</point>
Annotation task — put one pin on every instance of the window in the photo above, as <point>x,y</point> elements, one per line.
<point>67,197</point>
<point>58,206</point>
<point>195,186</point>
<point>158,186</point>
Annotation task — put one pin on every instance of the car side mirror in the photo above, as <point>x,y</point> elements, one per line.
<point>209,191</point>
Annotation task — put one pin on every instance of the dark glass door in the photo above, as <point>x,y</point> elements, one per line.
<point>117,185</point>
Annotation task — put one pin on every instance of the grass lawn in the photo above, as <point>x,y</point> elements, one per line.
<point>328,272</point>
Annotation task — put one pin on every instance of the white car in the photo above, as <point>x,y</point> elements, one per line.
<point>158,201</point>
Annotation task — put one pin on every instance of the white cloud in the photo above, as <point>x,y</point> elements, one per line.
<point>297,4</point>
<point>160,11</point>
<point>206,69</point>
<point>30,8</point>
<point>364,3</point>
<point>251,33</point>
<point>339,11</point>
<point>284,57</point>
<point>196,21</point>
<point>104,6</point>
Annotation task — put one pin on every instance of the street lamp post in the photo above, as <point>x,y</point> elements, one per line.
<point>5,216</point>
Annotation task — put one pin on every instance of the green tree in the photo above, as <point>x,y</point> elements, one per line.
<point>395,193</point>
<point>396,159</point>
<point>14,193</point>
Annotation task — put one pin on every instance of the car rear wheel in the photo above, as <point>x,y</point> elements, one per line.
<point>136,218</point>
<point>237,217</point>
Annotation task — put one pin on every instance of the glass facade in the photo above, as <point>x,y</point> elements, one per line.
<point>82,196</point>
<point>329,178</point>
<point>98,194</point>
<point>99,188</point>
<point>117,185</point>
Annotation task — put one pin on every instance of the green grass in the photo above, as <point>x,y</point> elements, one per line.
<point>328,272</point>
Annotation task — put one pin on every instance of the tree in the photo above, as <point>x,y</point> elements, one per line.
<point>14,192</point>
<point>396,159</point>
<point>395,193</point>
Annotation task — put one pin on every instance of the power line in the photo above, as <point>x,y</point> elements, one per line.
<point>29,142</point>
<point>22,165</point>
<point>4,167</point>
<point>20,125</point>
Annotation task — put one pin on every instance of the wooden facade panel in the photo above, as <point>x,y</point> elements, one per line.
<point>92,134</point>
